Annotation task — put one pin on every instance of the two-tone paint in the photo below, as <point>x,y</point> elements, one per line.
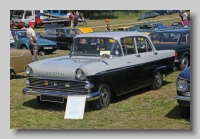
<point>182,50</point>
<point>122,74</point>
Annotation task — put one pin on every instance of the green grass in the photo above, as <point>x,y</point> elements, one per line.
<point>142,109</point>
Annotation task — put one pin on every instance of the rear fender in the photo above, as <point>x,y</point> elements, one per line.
<point>162,69</point>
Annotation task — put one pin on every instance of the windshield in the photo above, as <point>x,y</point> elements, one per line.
<point>23,34</point>
<point>95,46</point>
<point>168,37</point>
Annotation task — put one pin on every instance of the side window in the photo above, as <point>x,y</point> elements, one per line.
<point>141,44</point>
<point>62,32</point>
<point>149,47</point>
<point>57,32</point>
<point>185,39</point>
<point>128,46</point>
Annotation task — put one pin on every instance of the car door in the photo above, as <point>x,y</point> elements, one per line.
<point>19,58</point>
<point>148,56</point>
<point>132,65</point>
<point>183,48</point>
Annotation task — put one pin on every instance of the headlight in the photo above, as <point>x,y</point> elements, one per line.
<point>182,85</point>
<point>28,70</point>
<point>80,74</point>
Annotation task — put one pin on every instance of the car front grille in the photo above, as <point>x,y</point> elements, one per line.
<point>58,85</point>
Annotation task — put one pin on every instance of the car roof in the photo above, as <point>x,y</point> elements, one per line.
<point>183,30</point>
<point>112,34</point>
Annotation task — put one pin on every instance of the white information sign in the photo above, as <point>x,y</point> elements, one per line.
<point>75,107</point>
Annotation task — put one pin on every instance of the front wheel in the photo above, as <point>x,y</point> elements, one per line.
<point>104,99</point>
<point>158,81</point>
<point>184,63</point>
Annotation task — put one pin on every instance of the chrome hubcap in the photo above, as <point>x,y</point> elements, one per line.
<point>158,78</point>
<point>185,63</point>
<point>104,97</point>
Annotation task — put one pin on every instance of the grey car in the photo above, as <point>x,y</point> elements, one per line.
<point>100,65</point>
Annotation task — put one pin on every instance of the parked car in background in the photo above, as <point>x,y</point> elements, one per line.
<point>123,28</point>
<point>63,36</point>
<point>148,27</point>
<point>18,59</point>
<point>60,35</point>
<point>43,44</point>
<point>100,65</point>
<point>183,92</point>
<point>163,12</point>
<point>174,39</point>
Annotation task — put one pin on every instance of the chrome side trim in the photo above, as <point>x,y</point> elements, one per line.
<point>38,92</point>
<point>184,98</point>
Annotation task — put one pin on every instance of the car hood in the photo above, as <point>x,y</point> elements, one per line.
<point>42,41</point>
<point>60,67</point>
<point>185,74</point>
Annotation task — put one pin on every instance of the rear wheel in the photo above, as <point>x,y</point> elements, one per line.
<point>184,63</point>
<point>104,99</point>
<point>158,81</point>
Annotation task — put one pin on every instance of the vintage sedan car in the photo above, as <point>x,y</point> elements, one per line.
<point>148,27</point>
<point>174,39</point>
<point>43,44</point>
<point>183,93</point>
<point>19,58</point>
<point>100,65</point>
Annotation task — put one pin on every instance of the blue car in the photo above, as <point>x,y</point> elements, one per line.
<point>43,44</point>
<point>148,27</point>
<point>183,93</point>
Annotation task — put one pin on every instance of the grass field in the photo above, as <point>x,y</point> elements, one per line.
<point>142,109</point>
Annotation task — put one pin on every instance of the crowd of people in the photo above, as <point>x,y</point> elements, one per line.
<point>74,18</point>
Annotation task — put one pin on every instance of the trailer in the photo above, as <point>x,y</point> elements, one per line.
<point>39,17</point>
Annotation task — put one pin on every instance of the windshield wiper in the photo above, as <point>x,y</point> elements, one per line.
<point>84,54</point>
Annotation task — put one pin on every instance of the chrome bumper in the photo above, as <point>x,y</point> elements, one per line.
<point>184,98</point>
<point>38,92</point>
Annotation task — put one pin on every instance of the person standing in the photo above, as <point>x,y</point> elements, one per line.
<point>107,28</point>
<point>71,18</point>
<point>181,14</point>
<point>32,39</point>
<point>84,20</point>
<point>185,16</point>
<point>13,38</point>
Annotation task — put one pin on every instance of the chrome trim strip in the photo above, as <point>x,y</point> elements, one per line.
<point>184,98</point>
<point>38,92</point>
<point>177,60</point>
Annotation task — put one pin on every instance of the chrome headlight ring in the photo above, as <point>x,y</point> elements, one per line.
<point>182,85</point>
<point>28,70</point>
<point>80,74</point>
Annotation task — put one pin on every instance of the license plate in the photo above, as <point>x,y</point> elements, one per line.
<point>46,82</point>
<point>48,47</point>
<point>52,98</point>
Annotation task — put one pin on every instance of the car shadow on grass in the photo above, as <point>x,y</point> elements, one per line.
<point>175,114</point>
<point>50,106</point>
<point>16,76</point>
<point>134,93</point>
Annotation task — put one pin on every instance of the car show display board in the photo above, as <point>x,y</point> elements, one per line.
<point>75,107</point>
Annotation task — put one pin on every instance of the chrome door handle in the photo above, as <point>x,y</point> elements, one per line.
<point>137,55</point>
<point>155,53</point>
